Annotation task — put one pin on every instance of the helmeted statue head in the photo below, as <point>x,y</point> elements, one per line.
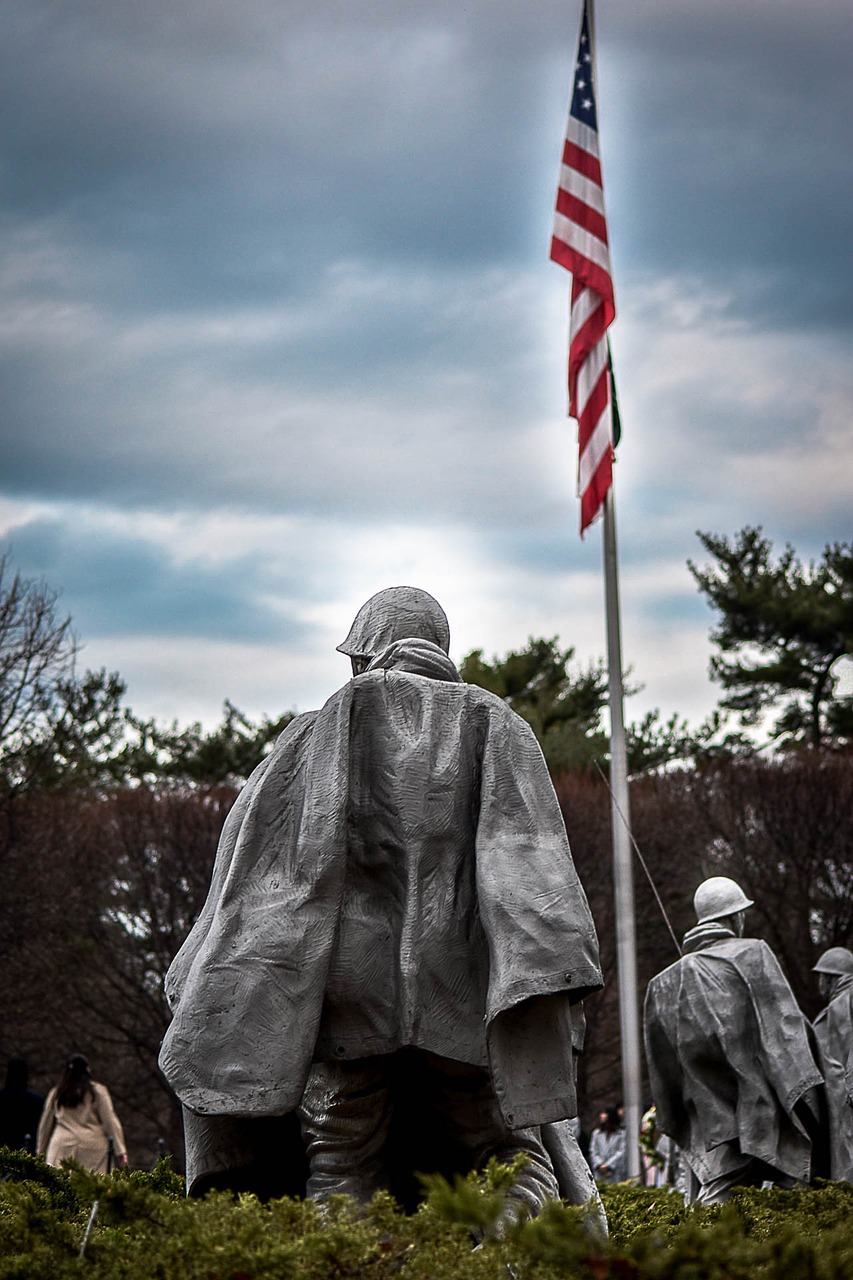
<point>719,897</point>
<point>397,613</point>
<point>837,961</point>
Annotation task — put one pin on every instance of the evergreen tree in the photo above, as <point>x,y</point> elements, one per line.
<point>561,703</point>
<point>564,703</point>
<point>782,627</point>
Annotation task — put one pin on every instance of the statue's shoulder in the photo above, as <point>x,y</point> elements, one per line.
<point>478,696</point>
<point>744,954</point>
<point>841,1006</point>
<point>299,725</point>
<point>661,984</point>
<point>733,946</point>
<point>298,728</point>
<point>493,706</point>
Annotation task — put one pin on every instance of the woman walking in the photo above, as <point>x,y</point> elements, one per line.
<point>79,1121</point>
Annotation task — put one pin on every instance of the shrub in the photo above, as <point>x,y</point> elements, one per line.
<point>146,1230</point>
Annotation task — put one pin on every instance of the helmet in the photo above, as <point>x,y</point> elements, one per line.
<point>397,613</point>
<point>837,960</point>
<point>719,897</point>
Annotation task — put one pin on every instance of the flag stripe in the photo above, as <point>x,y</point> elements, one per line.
<point>589,321</point>
<point>586,190</point>
<point>584,304</point>
<point>582,215</point>
<point>596,445</point>
<point>582,135</point>
<point>592,498</point>
<point>582,161</point>
<point>592,274</point>
<point>580,244</point>
<point>584,244</point>
<point>589,377</point>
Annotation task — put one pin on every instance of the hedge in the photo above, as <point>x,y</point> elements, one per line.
<point>145,1229</point>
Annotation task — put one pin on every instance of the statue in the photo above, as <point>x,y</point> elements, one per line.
<point>395,934</point>
<point>833,1031</point>
<point>731,1070</point>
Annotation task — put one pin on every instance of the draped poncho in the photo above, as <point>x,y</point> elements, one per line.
<point>833,1029</point>
<point>728,1055</point>
<point>396,873</point>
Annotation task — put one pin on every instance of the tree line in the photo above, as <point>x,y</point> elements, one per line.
<point>109,822</point>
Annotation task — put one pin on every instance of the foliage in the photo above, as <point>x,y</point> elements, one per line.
<point>564,703</point>
<point>653,743</point>
<point>62,731</point>
<point>782,626</point>
<point>87,740</point>
<point>226,754</point>
<point>145,1230</point>
<point>781,828</point>
<point>96,896</point>
<point>81,742</point>
<point>37,650</point>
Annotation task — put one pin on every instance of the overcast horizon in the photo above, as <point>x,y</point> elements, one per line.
<point>278,326</point>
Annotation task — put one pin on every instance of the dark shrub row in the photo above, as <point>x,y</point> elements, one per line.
<point>144,1229</point>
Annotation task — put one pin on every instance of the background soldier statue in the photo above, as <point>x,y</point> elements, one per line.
<point>394,925</point>
<point>732,1074</point>
<point>833,1029</point>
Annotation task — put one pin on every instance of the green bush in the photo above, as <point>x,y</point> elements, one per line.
<point>146,1230</point>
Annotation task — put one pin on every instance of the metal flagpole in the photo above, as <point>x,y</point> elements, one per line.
<point>623,874</point>
<point>579,243</point>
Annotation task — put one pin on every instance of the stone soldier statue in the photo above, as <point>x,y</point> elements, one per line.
<point>833,1031</point>
<point>732,1074</point>
<point>394,910</point>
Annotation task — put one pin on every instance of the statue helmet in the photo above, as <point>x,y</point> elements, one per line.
<point>837,961</point>
<point>719,897</point>
<point>397,613</point>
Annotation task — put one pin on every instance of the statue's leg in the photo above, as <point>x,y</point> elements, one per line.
<point>574,1176</point>
<point>464,1095</point>
<point>344,1114</point>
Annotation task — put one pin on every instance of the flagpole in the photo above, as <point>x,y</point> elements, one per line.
<point>623,875</point>
<point>579,242</point>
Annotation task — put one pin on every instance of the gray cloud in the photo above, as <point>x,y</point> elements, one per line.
<point>288,262</point>
<point>123,585</point>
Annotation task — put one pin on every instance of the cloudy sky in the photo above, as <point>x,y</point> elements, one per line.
<point>278,326</point>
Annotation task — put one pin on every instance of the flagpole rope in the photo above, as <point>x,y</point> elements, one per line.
<point>642,860</point>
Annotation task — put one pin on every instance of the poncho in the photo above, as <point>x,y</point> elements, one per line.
<point>833,1030</point>
<point>728,1055</point>
<point>396,873</point>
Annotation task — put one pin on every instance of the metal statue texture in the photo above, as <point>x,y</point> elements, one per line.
<point>395,942</point>
<point>731,1070</point>
<point>833,1031</point>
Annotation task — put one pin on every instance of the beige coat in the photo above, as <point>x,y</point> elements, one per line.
<point>81,1133</point>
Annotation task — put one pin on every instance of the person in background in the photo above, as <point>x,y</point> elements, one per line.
<point>833,1032</point>
<point>607,1147</point>
<point>79,1122</point>
<point>652,1160</point>
<point>20,1109</point>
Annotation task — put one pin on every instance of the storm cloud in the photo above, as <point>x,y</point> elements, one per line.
<point>278,328</point>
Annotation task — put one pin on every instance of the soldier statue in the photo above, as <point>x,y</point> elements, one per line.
<point>833,1030</point>
<point>733,1078</point>
<point>395,932</point>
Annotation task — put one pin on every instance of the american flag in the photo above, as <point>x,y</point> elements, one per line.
<point>579,244</point>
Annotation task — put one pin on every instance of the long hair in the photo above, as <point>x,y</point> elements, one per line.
<point>75,1083</point>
